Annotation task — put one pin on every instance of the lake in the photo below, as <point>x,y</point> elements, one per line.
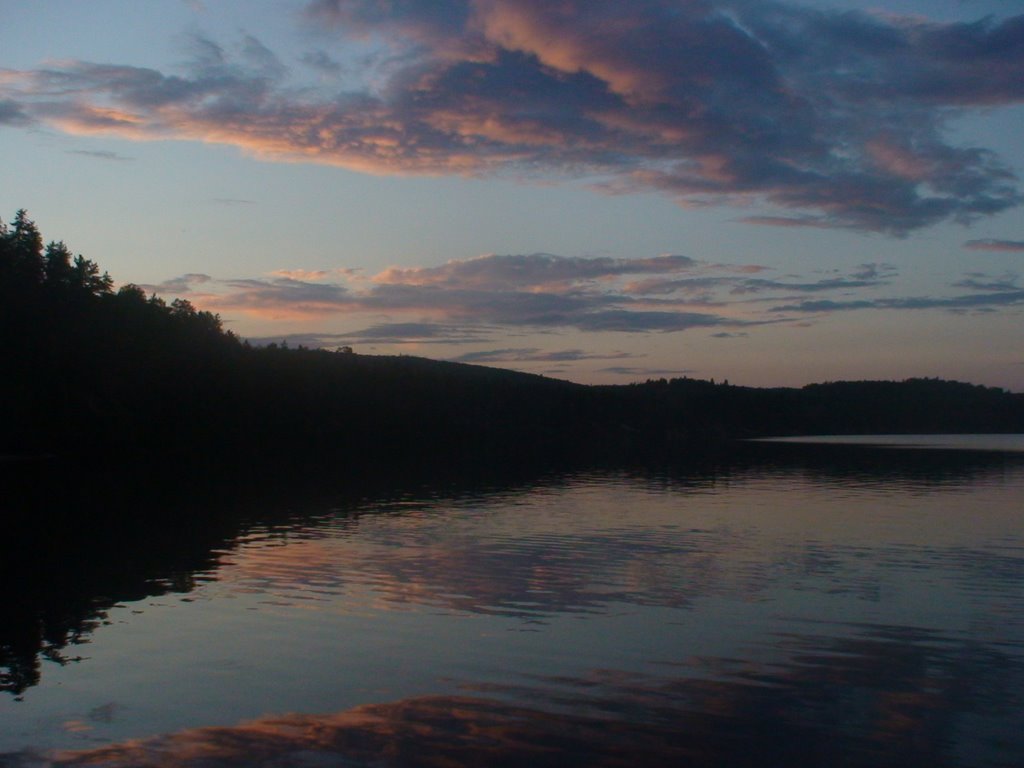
<point>796,604</point>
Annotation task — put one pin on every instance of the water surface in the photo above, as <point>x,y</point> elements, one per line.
<point>1008,442</point>
<point>803,607</point>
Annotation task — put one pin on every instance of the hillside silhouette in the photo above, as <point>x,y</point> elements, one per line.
<point>90,370</point>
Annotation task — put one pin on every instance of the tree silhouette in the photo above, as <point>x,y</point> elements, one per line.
<point>26,249</point>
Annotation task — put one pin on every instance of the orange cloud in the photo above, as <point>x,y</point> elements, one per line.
<point>550,31</point>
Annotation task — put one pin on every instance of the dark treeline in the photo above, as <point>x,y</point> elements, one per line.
<point>88,370</point>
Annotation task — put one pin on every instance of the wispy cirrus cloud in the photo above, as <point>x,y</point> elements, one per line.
<point>831,119</point>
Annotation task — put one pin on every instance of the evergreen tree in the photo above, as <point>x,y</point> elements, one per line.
<point>26,249</point>
<point>85,276</point>
<point>57,268</point>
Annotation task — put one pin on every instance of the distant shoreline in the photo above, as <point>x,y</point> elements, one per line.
<point>967,441</point>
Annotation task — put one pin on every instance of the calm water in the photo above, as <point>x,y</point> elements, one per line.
<point>809,606</point>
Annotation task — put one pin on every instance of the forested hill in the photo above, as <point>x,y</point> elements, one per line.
<point>90,370</point>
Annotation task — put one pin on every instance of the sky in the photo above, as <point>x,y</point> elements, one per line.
<point>771,193</point>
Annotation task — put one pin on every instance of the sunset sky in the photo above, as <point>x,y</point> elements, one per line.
<point>599,190</point>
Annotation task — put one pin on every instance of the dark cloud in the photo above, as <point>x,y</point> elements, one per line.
<point>322,63</point>
<point>816,222</point>
<point>702,288</point>
<point>207,54</point>
<point>582,310</point>
<point>827,305</point>
<point>497,355</point>
<point>416,333</point>
<point>179,285</point>
<point>874,271</point>
<point>431,23</point>
<point>631,371</point>
<point>261,59</point>
<point>978,281</point>
<point>12,113</point>
<point>498,307</point>
<point>834,119</point>
<point>629,321</point>
<point>872,58</point>
<point>101,155</point>
<point>976,301</point>
<point>1010,246</point>
<point>829,284</point>
<point>697,289</point>
<point>534,354</point>
<point>387,333</point>
<point>532,270</point>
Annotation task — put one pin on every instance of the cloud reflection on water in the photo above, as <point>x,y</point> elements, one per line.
<point>594,543</point>
<point>730,596</point>
<point>874,696</point>
<point>446,549</point>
